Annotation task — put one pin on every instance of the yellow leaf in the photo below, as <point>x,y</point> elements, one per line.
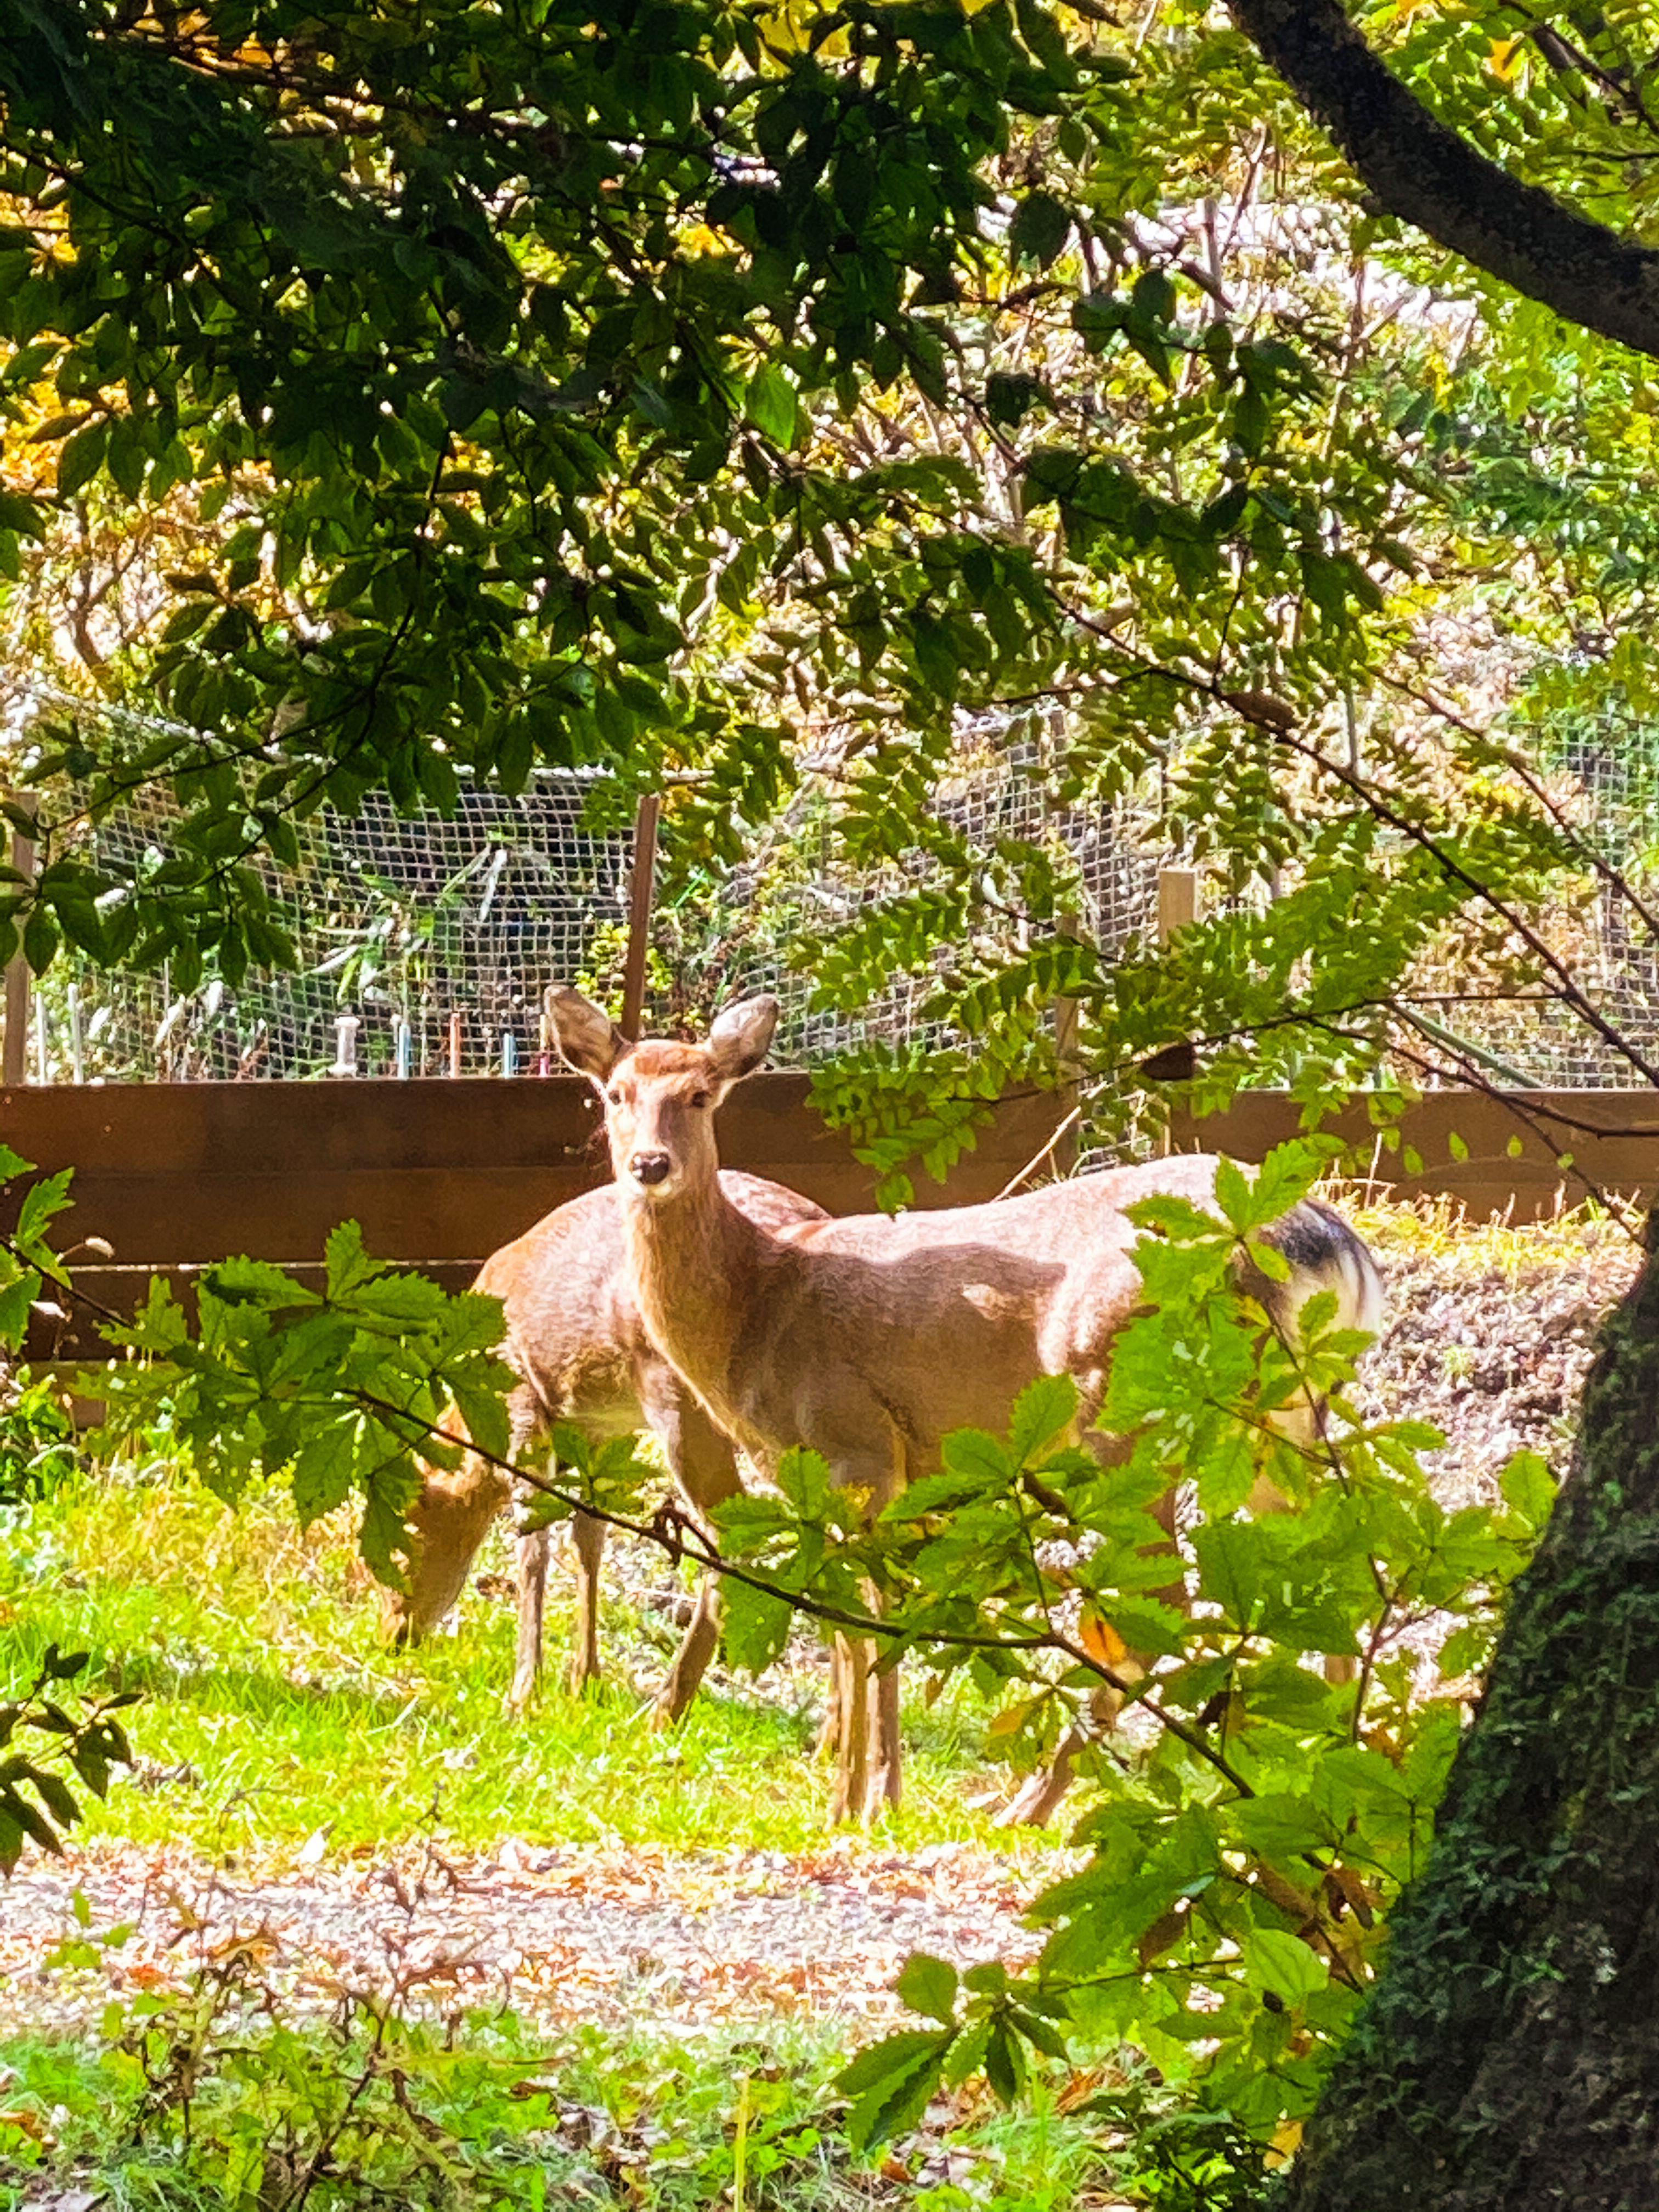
<point>1287,2140</point>
<point>1504,60</point>
<point>1101,1641</point>
<point>1009,1720</point>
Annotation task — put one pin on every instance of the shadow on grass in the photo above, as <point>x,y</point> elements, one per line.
<point>260,1693</point>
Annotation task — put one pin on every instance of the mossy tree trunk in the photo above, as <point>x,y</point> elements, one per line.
<point>1509,2056</point>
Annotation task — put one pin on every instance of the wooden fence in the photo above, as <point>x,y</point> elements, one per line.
<point>441,1173</point>
<point>1462,1142</point>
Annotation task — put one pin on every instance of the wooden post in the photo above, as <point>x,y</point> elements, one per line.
<point>641,889</point>
<point>1177,906</point>
<point>1064,1153</point>
<point>1177,900</point>
<point>15,1054</point>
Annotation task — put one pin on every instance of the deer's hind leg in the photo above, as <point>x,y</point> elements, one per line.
<point>1036,1801</point>
<point>588,1536</point>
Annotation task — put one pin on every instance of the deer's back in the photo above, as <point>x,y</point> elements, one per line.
<point>941,1318</point>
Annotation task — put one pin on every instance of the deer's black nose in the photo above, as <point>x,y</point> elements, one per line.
<point>650,1167</point>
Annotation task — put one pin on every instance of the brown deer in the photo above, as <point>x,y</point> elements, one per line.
<point>574,1337</point>
<point>869,1338</point>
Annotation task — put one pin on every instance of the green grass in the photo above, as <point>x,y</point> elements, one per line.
<point>271,1707</point>
<point>597,2120</point>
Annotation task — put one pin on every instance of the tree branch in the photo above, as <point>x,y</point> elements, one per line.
<point>1428,176</point>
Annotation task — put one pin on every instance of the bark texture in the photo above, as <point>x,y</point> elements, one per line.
<point>1511,2054</point>
<point>1428,176</point>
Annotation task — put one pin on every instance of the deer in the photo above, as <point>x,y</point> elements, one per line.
<point>868,1338</point>
<point>576,1341</point>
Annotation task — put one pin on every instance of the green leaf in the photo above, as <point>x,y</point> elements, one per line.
<point>928,1986</point>
<point>1283,1964</point>
<point>81,457</point>
<point>1529,1488</point>
<point>771,406</point>
<point>755,1626</point>
<point>1041,225</point>
<point>40,939</point>
<point>1043,1413</point>
<point>1280,1825</point>
<point>1229,1567</point>
<point>891,2083</point>
<point>391,1487</point>
<point>1010,397</point>
<point>324,1471</point>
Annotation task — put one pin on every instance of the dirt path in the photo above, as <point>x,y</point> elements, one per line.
<point>559,1935</point>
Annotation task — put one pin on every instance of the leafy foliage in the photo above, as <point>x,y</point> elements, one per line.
<point>29,1258</point>
<point>676,388</point>
<point>1242,1866</point>
<point>36,1805</point>
<point>1246,1843</point>
<point>341,1389</point>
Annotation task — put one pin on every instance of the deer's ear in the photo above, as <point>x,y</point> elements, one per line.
<point>742,1037</point>
<point>588,1041</point>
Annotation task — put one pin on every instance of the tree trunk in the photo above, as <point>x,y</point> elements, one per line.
<point>1510,2056</point>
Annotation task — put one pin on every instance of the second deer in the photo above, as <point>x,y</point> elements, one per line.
<point>869,1338</point>
<point>576,1341</point>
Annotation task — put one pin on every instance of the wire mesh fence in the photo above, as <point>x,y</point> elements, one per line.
<point>1601,774</point>
<point>425,942</point>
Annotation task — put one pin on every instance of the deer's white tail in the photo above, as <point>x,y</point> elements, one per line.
<point>1325,1254</point>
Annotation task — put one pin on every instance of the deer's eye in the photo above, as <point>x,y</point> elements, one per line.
<point>699,1098</point>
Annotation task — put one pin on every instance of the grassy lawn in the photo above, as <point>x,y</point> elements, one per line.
<point>271,1710</point>
<point>271,1706</point>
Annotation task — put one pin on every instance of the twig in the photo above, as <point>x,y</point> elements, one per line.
<point>1037,1158</point>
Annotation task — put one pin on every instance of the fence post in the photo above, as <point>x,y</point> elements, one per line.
<point>1064,1151</point>
<point>641,890</point>
<point>1177,906</point>
<point>14,1053</point>
<point>1177,900</point>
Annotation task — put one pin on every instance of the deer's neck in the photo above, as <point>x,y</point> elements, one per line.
<point>693,1262</point>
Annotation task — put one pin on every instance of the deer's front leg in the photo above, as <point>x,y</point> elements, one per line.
<point>865,1454</point>
<point>704,1465</point>
<point>588,1534</point>
<point>532,1561</point>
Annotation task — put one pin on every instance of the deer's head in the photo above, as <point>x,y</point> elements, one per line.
<point>660,1098</point>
